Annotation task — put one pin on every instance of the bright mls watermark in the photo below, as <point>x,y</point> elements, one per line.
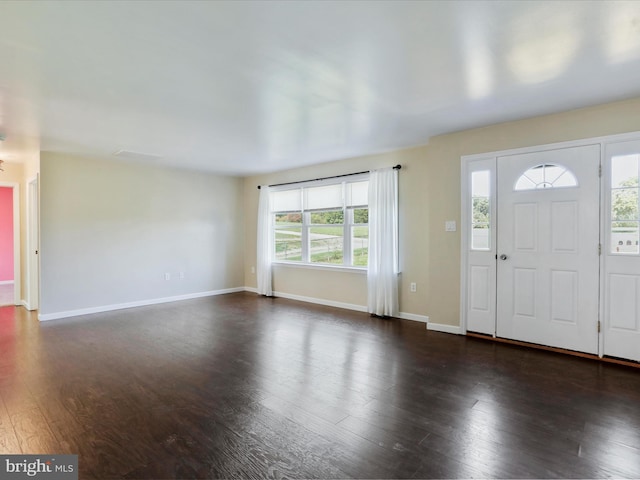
<point>44,467</point>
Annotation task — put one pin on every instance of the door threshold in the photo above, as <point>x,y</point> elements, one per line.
<point>605,359</point>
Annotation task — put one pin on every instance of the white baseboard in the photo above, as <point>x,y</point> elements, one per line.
<point>414,317</point>
<point>321,301</point>
<point>141,303</point>
<point>26,305</point>
<point>6,282</point>
<point>348,306</point>
<point>440,327</point>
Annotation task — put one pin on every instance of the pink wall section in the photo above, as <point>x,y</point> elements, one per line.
<point>6,234</point>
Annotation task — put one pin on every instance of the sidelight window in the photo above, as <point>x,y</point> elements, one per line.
<point>481,210</point>
<point>624,204</point>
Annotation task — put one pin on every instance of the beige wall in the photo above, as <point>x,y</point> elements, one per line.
<point>110,231</point>
<point>429,195</point>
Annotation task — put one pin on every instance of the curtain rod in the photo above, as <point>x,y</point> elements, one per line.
<point>397,167</point>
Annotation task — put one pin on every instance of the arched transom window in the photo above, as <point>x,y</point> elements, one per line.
<point>546,175</point>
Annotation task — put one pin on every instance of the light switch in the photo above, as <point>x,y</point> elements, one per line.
<point>450,226</point>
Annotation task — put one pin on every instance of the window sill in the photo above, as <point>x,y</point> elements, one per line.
<point>333,268</point>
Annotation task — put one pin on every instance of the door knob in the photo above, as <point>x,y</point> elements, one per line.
<point>503,257</point>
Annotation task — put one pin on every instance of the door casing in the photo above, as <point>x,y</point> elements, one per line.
<point>469,162</point>
<point>33,245</point>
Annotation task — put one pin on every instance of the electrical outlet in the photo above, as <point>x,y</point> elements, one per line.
<point>167,276</point>
<point>181,275</point>
<point>413,287</point>
<point>253,269</point>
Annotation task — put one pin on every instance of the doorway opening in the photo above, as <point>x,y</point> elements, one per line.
<point>550,251</point>
<point>9,244</point>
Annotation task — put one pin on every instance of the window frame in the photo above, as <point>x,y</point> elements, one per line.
<point>610,193</point>
<point>544,184</point>
<point>347,226</point>
<point>490,207</point>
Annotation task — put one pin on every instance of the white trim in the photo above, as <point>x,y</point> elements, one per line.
<point>17,265</point>
<point>321,301</point>
<point>26,305</point>
<point>347,306</point>
<point>141,303</point>
<point>464,240</point>
<point>33,244</point>
<point>622,137</point>
<point>413,316</point>
<point>604,239</point>
<point>313,266</point>
<point>441,327</point>
<point>6,282</point>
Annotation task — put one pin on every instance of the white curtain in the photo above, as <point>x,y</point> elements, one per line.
<point>265,242</point>
<point>382,276</point>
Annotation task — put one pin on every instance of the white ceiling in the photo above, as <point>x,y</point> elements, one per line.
<point>251,87</point>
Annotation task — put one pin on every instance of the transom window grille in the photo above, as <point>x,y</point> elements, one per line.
<point>326,224</point>
<point>546,175</point>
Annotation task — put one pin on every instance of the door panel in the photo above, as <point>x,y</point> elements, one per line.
<point>622,266</point>
<point>525,220</point>
<point>623,307</point>
<point>564,296</point>
<point>547,244</point>
<point>564,227</point>
<point>479,299</point>
<point>524,292</point>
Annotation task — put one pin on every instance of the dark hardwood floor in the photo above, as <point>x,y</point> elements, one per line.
<point>241,386</point>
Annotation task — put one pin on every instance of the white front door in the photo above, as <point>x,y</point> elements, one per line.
<point>548,247</point>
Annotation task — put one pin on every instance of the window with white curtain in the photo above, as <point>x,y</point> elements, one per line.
<point>322,224</point>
